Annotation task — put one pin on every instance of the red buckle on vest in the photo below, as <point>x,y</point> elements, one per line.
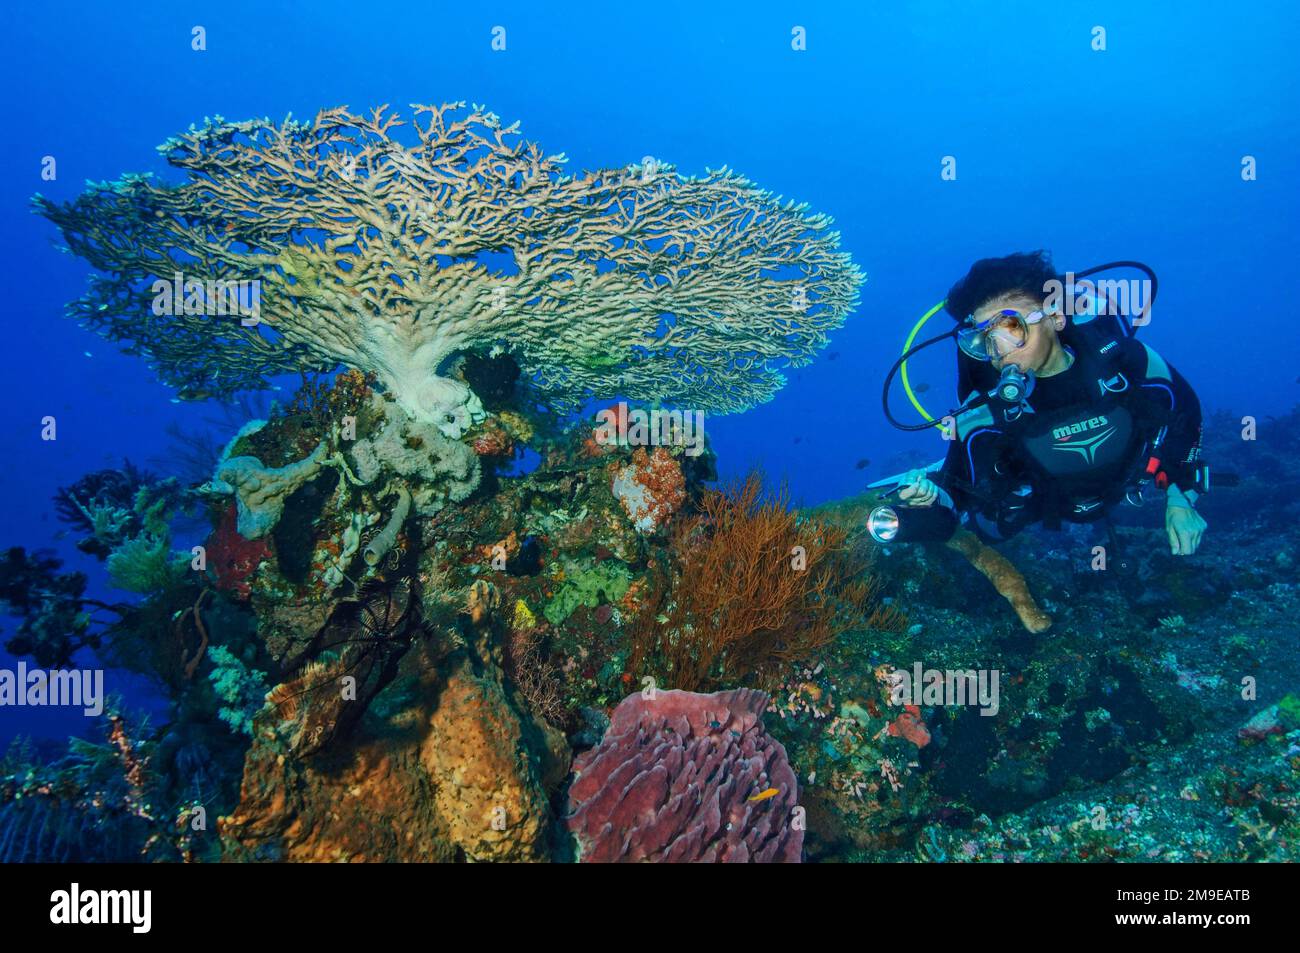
<point>1153,470</point>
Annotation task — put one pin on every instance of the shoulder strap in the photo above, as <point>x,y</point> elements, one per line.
<point>1097,345</point>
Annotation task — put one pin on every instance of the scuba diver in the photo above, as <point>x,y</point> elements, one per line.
<point>1063,414</point>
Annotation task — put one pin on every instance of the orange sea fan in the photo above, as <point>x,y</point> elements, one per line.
<point>754,588</point>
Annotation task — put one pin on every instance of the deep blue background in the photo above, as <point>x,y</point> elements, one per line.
<point>1133,152</point>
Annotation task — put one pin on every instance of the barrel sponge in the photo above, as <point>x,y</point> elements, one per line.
<point>686,777</point>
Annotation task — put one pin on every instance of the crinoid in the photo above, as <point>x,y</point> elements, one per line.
<point>360,649</point>
<point>384,611</point>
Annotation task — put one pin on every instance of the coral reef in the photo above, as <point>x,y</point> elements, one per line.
<point>427,702</point>
<point>686,777</point>
<point>427,596</point>
<point>368,241</point>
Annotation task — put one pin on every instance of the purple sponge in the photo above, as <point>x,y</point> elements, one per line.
<point>686,777</point>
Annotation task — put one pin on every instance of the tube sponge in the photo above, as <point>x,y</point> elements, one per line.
<point>381,544</point>
<point>1006,579</point>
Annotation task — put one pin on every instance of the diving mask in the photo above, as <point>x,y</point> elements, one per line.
<point>997,335</point>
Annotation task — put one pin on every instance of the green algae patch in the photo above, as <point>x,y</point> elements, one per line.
<point>589,588</point>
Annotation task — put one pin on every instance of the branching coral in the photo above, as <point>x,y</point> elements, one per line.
<point>391,254</point>
<point>756,588</point>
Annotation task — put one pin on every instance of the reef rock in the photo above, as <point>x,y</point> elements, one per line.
<point>683,776</point>
<point>440,768</point>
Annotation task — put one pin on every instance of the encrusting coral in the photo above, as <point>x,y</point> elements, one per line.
<point>341,241</point>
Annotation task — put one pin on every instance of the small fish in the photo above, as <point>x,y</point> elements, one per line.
<point>87,353</point>
<point>764,795</point>
<point>798,439</point>
<point>832,355</point>
<point>862,464</point>
<point>922,388</point>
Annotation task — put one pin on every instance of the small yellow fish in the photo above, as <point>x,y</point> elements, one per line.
<point>764,795</point>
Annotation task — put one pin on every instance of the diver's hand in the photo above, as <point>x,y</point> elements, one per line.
<point>919,489</point>
<point>1183,524</point>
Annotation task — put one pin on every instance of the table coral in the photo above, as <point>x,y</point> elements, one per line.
<point>392,246</point>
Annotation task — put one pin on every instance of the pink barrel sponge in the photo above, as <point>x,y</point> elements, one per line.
<point>687,777</point>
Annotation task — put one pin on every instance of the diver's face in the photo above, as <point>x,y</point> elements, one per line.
<point>1041,339</point>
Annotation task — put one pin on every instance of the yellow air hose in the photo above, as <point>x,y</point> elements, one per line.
<point>907,384</point>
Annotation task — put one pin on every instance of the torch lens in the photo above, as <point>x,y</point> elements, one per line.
<point>882,524</point>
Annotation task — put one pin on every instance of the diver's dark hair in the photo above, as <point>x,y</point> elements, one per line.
<point>992,277</point>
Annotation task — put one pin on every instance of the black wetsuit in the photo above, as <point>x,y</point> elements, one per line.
<point>1085,438</point>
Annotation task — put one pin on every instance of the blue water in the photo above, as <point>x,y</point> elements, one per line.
<point>1134,152</point>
